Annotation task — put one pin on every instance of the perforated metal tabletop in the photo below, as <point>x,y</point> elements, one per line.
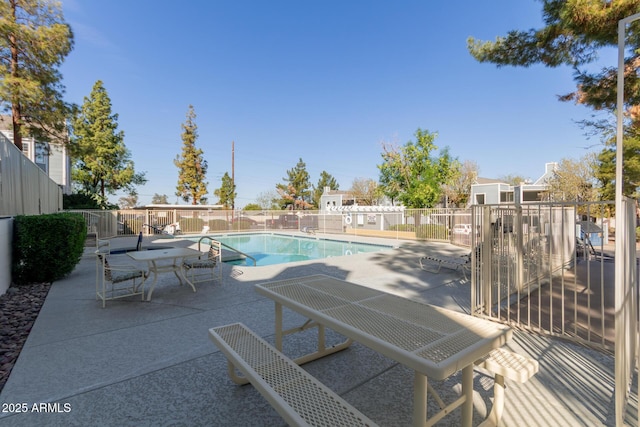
<point>432,340</point>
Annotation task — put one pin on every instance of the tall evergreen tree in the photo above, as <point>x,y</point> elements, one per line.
<point>296,189</point>
<point>226,194</point>
<point>574,34</point>
<point>326,180</point>
<point>34,40</point>
<point>191,164</point>
<point>102,162</point>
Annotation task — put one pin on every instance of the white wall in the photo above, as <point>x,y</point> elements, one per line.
<point>6,235</point>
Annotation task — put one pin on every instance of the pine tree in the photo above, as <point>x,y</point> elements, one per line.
<point>102,163</point>
<point>191,164</point>
<point>226,194</point>
<point>295,191</point>
<point>574,34</point>
<point>34,40</point>
<point>326,180</point>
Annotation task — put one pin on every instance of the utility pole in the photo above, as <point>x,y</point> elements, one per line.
<point>233,175</point>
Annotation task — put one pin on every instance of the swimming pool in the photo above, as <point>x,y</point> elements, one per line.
<point>270,249</point>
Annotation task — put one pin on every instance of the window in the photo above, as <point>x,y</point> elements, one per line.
<point>479,199</point>
<point>506,197</point>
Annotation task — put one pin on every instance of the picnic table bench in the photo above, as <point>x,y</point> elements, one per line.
<point>431,340</point>
<point>297,396</point>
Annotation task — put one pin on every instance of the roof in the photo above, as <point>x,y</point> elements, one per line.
<point>590,227</point>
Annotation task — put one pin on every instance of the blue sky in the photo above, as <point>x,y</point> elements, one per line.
<point>325,81</point>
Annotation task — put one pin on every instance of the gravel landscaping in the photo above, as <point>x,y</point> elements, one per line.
<point>19,308</point>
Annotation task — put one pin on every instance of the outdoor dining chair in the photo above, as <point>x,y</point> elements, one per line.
<point>117,281</point>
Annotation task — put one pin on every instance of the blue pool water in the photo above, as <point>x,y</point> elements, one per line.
<point>270,249</point>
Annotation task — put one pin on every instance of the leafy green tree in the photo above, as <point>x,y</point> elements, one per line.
<point>326,180</point>
<point>365,191</point>
<point>102,162</point>
<point>253,207</point>
<point>412,175</point>
<point>295,191</point>
<point>574,35</point>
<point>34,40</point>
<point>191,164</point>
<point>159,199</point>
<point>226,194</point>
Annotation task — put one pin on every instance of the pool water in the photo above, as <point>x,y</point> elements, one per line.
<point>270,249</point>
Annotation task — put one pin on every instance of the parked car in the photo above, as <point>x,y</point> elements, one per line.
<point>284,221</point>
<point>462,229</point>
<point>244,218</point>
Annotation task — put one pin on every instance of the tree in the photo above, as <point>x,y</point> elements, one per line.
<point>574,180</point>
<point>513,179</point>
<point>253,207</point>
<point>129,201</point>
<point>34,40</point>
<point>191,164</point>
<point>574,35</point>
<point>459,189</point>
<point>412,175</point>
<point>606,169</point>
<point>326,180</point>
<point>365,191</point>
<point>295,191</point>
<point>268,200</point>
<point>102,163</point>
<point>226,194</point>
<point>159,199</point>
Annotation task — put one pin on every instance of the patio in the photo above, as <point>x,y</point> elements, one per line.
<point>152,363</point>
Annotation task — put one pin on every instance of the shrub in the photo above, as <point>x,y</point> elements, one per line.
<point>46,247</point>
<point>431,231</point>
<point>218,225</point>
<point>191,225</point>
<point>241,224</point>
<point>403,227</point>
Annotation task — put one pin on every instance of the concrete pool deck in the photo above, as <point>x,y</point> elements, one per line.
<point>151,363</point>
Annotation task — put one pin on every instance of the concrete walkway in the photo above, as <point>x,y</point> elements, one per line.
<point>152,364</point>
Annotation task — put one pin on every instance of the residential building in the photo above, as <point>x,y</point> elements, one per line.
<point>52,158</point>
<point>493,192</point>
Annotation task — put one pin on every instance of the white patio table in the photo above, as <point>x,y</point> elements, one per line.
<point>176,255</point>
<point>433,341</point>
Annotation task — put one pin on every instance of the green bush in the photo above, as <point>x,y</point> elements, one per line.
<point>46,247</point>
<point>431,231</point>
<point>241,224</point>
<point>218,225</point>
<point>403,227</point>
<point>191,225</point>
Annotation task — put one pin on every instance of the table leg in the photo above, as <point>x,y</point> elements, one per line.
<point>152,269</point>
<point>419,399</point>
<point>467,391</point>
<point>279,326</point>
<point>180,268</point>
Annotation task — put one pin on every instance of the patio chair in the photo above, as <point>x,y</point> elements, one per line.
<point>117,281</point>
<point>203,268</point>
<point>433,263</point>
